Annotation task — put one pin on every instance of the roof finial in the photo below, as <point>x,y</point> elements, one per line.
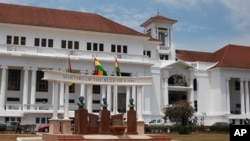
<point>158,12</point>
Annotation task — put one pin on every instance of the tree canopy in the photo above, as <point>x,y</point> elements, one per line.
<point>180,112</point>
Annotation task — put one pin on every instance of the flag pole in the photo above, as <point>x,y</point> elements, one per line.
<point>94,67</point>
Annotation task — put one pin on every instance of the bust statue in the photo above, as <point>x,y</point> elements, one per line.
<point>131,105</point>
<point>104,105</point>
<point>81,104</point>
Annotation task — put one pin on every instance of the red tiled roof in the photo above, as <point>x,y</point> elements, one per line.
<point>193,56</point>
<point>232,56</point>
<point>158,17</point>
<point>35,16</point>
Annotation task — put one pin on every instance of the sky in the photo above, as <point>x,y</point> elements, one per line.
<point>202,25</point>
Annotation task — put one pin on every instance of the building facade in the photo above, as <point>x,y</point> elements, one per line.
<point>33,39</point>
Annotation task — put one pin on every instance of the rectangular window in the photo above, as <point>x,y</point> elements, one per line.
<point>41,85</point>
<point>43,120</point>
<point>16,40</point>
<point>96,89</point>
<point>96,101</point>
<point>37,42</point>
<point>149,53</point>
<point>144,52</point>
<point>100,47</point>
<point>72,88</point>
<point>113,48</point>
<point>71,101</point>
<point>42,100</point>
<point>63,44</point>
<point>163,57</point>
<point>119,48</point>
<point>13,99</point>
<point>70,45</point>
<point>7,119</point>
<point>37,120</point>
<point>44,42</point>
<point>50,42</point>
<point>195,84</point>
<point>237,85</point>
<point>88,46</point>
<point>195,105</point>
<point>14,78</point>
<point>125,49</point>
<point>9,39</point>
<point>23,40</point>
<point>95,46</point>
<point>76,44</point>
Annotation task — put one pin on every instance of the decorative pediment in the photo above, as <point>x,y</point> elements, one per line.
<point>177,80</point>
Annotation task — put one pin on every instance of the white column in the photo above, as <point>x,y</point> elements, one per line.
<point>242,103</point>
<point>247,96</point>
<point>166,99</point>
<point>61,96</point>
<point>192,92</point>
<point>228,96</point>
<point>82,90</point>
<point>139,103</point>
<point>115,100</point>
<point>33,88</point>
<point>25,87</point>
<point>109,99</point>
<point>103,93</point>
<point>66,101</point>
<point>134,96</point>
<point>127,97</point>
<point>3,87</point>
<point>55,100</point>
<point>90,98</point>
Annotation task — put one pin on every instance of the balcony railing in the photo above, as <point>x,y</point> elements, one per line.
<point>46,51</point>
<point>164,49</point>
<point>36,107</point>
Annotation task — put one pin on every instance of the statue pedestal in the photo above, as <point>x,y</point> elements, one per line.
<point>131,122</point>
<point>81,121</point>
<point>66,126</point>
<point>54,126</point>
<point>105,122</point>
<point>93,126</point>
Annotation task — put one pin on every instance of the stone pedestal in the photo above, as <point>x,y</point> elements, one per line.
<point>117,126</point>
<point>81,121</point>
<point>66,126</point>
<point>140,127</point>
<point>105,122</point>
<point>93,126</point>
<point>131,122</point>
<point>54,126</point>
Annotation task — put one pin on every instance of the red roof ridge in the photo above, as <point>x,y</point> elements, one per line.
<point>58,18</point>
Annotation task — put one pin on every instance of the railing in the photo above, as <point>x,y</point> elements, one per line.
<point>32,50</point>
<point>164,49</point>
<point>36,107</point>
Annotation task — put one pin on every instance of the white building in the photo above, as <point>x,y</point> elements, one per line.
<point>33,39</point>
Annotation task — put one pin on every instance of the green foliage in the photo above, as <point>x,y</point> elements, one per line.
<point>180,112</point>
<point>219,129</point>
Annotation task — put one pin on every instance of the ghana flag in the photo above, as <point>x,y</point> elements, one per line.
<point>99,70</point>
<point>117,68</point>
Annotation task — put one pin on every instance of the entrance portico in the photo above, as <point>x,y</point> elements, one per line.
<point>87,81</point>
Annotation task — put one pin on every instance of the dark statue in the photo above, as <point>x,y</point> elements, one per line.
<point>104,105</point>
<point>131,105</point>
<point>81,104</point>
